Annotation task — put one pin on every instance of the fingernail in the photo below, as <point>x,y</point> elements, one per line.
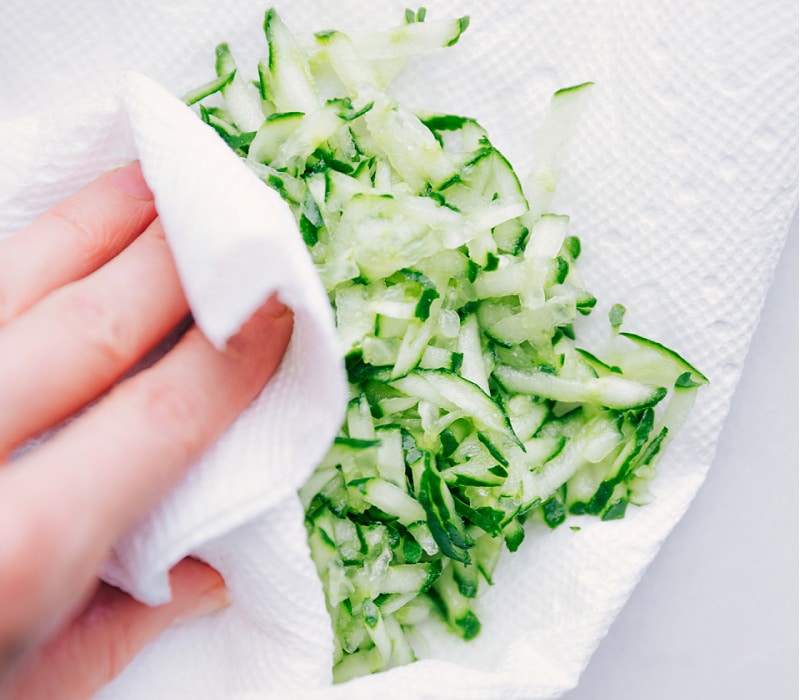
<point>274,307</point>
<point>129,180</point>
<point>211,601</point>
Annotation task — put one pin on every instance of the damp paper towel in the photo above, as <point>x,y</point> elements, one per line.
<point>681,183</point>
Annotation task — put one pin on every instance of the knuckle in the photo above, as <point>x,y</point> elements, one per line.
<point>90,242</point>
<point>8,304</point>
<point>262,346</point>
<point>174,413</point>
<point>108,637</point>
<point>120,652</point>
<point>264,334</point>
<point>106,334</point>
<point>248,370</point>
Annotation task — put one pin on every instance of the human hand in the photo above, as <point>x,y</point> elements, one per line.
<point>86,290</point>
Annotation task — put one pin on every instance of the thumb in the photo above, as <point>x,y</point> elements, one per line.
<point>96,646</point>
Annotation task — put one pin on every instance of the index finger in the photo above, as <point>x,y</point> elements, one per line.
<point>74,238</point>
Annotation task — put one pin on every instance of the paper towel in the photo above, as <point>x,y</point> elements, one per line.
<point>681,184</point>
<point>235,242</point>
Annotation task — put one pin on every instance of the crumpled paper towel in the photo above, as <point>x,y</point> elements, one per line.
<point>681,183</point>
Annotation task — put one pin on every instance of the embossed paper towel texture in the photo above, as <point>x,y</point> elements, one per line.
<point>681,183</point>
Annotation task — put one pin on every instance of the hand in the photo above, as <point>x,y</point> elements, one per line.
<point>85,291</point>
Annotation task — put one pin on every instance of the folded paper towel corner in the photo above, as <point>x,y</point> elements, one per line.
<point>235,240</point>
<point>681,186</point>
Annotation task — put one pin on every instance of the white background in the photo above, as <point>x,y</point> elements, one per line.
<point>715,616</point>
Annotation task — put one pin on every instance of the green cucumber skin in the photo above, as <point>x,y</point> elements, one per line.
<point>669,353</point>
<point>572,89</point>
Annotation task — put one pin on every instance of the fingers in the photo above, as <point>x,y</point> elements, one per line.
<point>71,346</point>
<point>74,238</point>
<point>93,649</point>
<point>152,426</point>
<point>70,499</point>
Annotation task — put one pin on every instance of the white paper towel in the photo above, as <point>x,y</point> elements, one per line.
<point>681,184</point>
<point>235,242</point>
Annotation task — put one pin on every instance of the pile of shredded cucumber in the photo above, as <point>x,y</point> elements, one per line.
<point>473,408</point>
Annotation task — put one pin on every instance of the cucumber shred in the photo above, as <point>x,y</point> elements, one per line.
<point>474,411</point>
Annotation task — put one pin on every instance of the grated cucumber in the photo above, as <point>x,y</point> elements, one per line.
<point>456,292</point>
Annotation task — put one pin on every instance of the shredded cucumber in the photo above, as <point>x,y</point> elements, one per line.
<point>473,409</point>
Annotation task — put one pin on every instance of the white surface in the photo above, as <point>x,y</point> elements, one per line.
<point>715,615</point>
